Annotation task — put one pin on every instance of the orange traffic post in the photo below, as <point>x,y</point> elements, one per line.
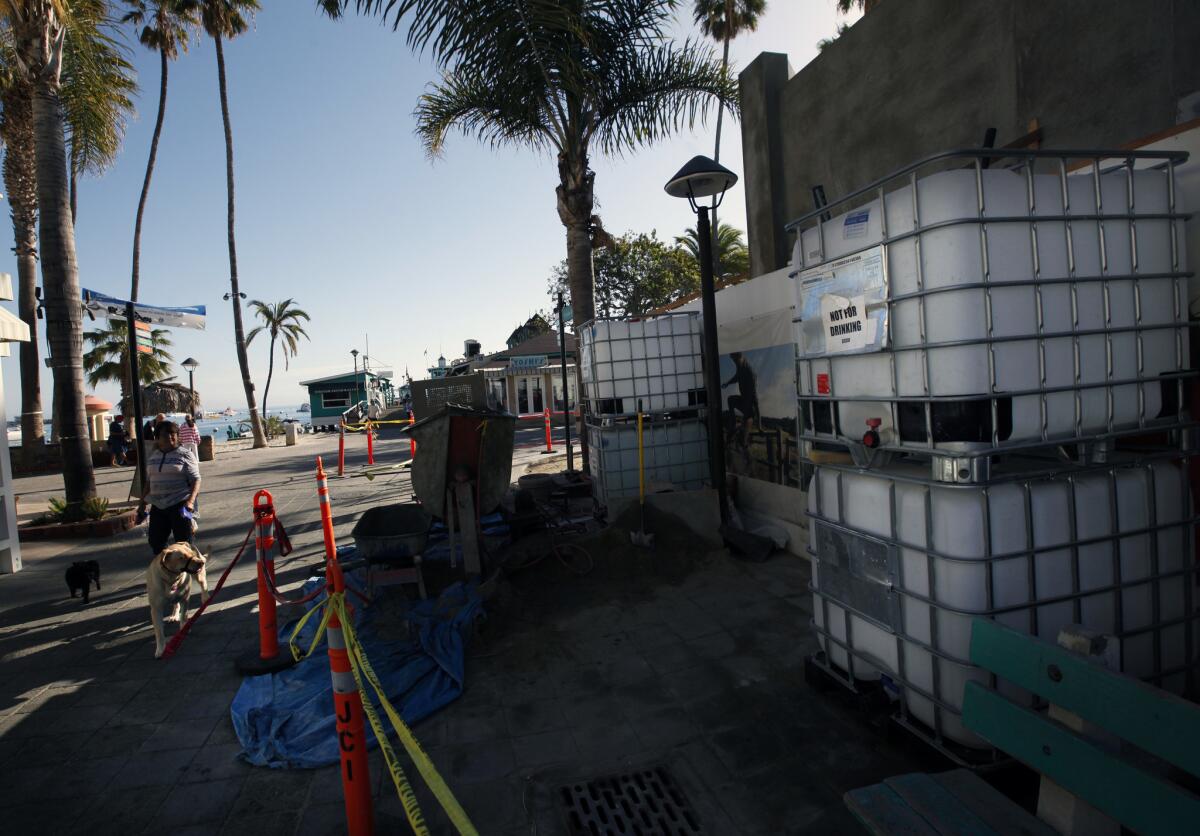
<point>342,447</point>
<point>267,659</point>
<point>347,704</point>
<point>412,442</point>
<point>370,444</point>
<point>546,420</point>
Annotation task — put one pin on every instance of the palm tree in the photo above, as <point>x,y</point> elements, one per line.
<point>724,20</point>
<point>224,19</point>
<point>38,29</point>
<point>846,6</point>
<point>561,77</point>
<point>20,187</point>
<point>96,84</point>
<point>107,359</point>
<point>729,249</point>
<point>165,25</point>
<point>282,321</point>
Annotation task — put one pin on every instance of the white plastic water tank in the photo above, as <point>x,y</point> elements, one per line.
<point>674,451</point>
<point>1090,280</point>
<point>903,566</point>
<point>646,365</point>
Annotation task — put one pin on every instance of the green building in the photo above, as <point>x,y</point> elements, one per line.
<point>329,397</point>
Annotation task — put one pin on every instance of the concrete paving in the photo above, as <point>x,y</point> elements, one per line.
<point>695,666</point>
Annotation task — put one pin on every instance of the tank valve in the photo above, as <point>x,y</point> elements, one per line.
<point>871,436</point>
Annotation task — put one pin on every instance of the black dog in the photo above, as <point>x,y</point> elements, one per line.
<point>80,576</point>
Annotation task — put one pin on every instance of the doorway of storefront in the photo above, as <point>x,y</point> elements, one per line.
<point>529,395</point>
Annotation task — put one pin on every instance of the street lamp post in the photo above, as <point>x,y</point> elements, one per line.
<point>702,178</point>
<point>191,365</point>
<point>354,353</point>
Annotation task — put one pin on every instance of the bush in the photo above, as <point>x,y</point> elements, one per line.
<point>58,510</point>
<point>95,507</point>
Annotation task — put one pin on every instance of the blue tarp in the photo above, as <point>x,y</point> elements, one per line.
<point>286,719</point>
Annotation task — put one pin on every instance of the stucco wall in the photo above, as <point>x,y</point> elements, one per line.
<point>918,76</point>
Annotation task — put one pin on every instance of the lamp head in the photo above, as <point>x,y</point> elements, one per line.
<point>701,177</point>
<point>190,364</point>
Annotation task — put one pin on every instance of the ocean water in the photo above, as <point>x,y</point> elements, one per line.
<point>216,427</point>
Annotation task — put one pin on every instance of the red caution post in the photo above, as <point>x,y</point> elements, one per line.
<point>412,442</point>
<point>370,443</point>
<point>267,659</point>
<point>347,704</point>
<point>342,447</point>
<point>546,420</point>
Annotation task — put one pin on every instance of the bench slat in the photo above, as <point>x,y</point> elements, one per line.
<point>1139,800</point>
<point>947,814</point>
<point>1151,719</point>
<point>884,813</point>
<point>1004,815</point>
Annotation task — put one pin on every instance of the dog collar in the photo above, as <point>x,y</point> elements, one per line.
<point>187,568</point>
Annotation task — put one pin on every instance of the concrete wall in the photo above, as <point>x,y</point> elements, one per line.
<point>918,76</point>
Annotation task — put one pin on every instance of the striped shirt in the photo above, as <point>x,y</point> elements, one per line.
<point>188,434</point>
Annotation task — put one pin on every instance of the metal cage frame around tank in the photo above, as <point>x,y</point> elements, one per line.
<point>1027,161</point>
<point>934,735</point>
<point>689,398</point>
<point>621,427</point>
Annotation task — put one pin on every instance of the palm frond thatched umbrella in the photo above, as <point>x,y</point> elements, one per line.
<point>168,396</point>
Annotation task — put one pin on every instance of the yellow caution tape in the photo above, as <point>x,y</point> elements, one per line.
<point>363,424</point>
<point>360,667</point>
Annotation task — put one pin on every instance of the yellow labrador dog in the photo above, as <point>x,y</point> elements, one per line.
<point>169,584</point>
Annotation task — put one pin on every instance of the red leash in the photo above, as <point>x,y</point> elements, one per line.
<point>177,639</point>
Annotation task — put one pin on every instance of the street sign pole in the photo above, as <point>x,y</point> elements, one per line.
<point>135,390</point>
<point>568,415</point>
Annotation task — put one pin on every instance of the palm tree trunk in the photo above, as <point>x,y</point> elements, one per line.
<point>141,210</point>
<point>575,203</point>
<point>238,331</point>
<point>20,183</point>
<point>270,373</point>
<point>60,280</point>
<point>74,191</point>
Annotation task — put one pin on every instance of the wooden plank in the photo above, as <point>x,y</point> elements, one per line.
<point>1004,815</point>
<point>884,813</point>
<point>1139,800</point>
<point>1152,719</point>
<point>945,813</point>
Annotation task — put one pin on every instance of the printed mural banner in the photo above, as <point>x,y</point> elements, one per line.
<point>758,397</point>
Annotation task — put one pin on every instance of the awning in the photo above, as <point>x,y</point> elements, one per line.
<point>12,329</point>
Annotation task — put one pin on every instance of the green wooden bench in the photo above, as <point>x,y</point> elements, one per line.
<point>1115,750</point>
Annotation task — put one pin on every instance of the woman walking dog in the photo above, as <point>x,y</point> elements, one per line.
<point>172,485</point>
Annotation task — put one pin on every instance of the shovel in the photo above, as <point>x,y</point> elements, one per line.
<point>640,538</point>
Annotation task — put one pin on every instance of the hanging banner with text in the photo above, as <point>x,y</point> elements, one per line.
<point>109,307</point>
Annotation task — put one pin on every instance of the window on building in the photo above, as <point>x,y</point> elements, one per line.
<point>336,398</point>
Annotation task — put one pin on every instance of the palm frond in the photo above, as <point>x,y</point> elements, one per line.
<point>98,82</point>
<point>654,92</point>
<point>492,113</point>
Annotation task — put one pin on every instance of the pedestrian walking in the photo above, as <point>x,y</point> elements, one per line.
<point>150,430</point>
<point>189,436</point>
<point>173,484</point>
<point>117,442</point>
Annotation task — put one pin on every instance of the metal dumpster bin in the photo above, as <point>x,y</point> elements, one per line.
<point>474,443</point>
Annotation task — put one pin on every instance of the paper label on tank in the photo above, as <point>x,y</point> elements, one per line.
<point>855,225</point>
<point>846,325</point>
<point>843,305</point>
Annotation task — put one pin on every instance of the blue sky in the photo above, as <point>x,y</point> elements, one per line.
<point>338,206</point>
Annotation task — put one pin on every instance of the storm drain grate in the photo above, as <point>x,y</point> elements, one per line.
<point>647,802</point>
